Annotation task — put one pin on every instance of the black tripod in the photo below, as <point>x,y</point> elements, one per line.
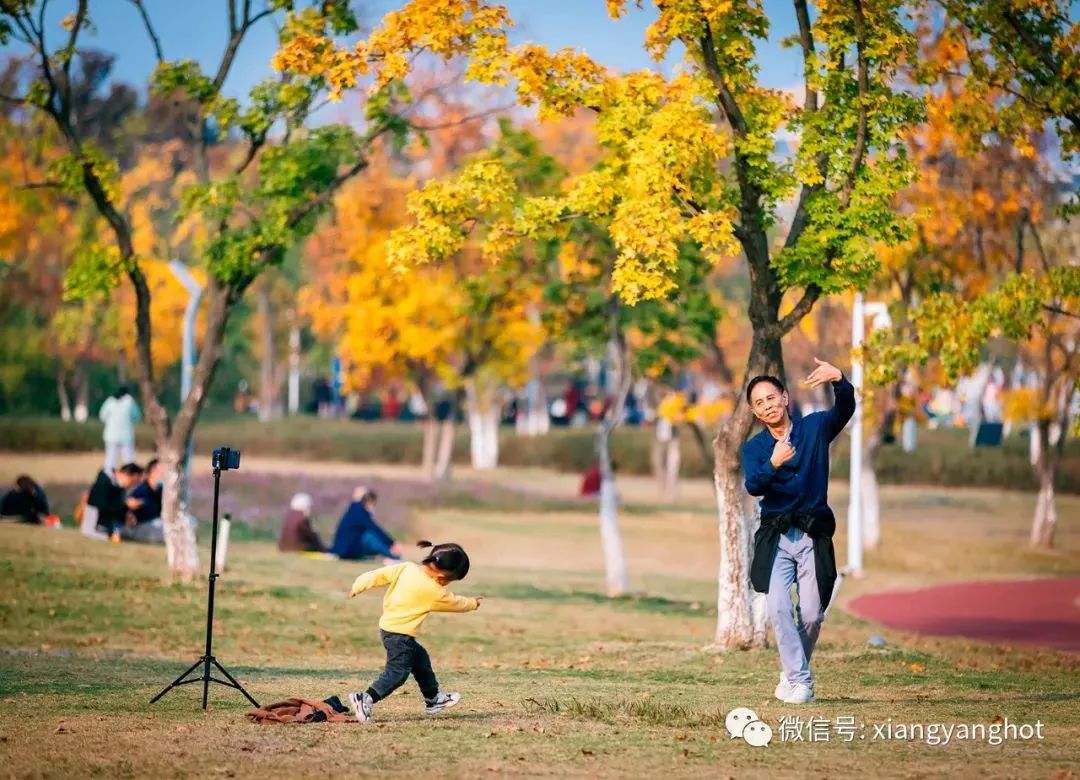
<point>222,460</point>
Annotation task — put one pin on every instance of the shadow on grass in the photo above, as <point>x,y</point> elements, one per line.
<point>649,711</point>
<point>655,604</point>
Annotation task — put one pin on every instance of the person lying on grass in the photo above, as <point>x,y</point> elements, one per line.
<point>412,592</point>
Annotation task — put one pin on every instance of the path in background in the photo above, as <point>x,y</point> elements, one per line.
<point>1042,612</point>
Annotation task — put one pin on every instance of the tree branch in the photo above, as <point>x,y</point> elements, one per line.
<point>802,308</point>
<point>863,76</point>
<point>1038,244</point>
<point>749,232</point>
<point>149,30</point>
<point>1058,310</point>
<point>69,50</point>
<point>806,40</point>
<point>1035,49</point>
<point>727,99</point>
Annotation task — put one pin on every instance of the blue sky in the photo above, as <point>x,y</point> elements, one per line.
<point>197,29</point>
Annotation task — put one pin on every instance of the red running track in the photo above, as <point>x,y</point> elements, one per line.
<point>1042,612</point>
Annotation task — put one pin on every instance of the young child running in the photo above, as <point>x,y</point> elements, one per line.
<point>412,591</point>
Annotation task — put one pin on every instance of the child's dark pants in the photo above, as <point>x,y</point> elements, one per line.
<point>404,656</point>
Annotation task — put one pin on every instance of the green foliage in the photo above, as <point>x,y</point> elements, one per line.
<point>291,178</point>
<point>70,170</point>
<point>953,330</point>
<point>94,273</point>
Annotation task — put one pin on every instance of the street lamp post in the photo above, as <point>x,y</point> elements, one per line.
<point>880,313</point>
<point>187,358</point>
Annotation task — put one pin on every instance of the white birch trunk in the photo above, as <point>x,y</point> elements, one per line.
<point>909,434</point>
<point>672,463</point>
<point>444,457</point>
<point>615,571</point>
<point>533,418</point>
<point>181,551</point>
<point>430,446</point>
<point>734,620</point>
<point>65,399</point>
<point>759,606</point>
<point>483,415</point>
<point>82,394</point>
<point>1045,521</point>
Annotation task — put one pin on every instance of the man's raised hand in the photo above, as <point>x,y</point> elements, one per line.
<point>824,372</point>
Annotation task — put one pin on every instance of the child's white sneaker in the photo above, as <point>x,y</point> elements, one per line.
<point>362,703</point>
<point>442,701</point>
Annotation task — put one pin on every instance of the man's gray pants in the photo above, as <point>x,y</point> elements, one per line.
<point>796,634</point>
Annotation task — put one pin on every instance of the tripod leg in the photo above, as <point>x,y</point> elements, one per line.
<point>237,685</point>
<point>176,682</point>
<point>206,681</point>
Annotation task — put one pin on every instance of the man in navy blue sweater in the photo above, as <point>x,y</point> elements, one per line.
<point>359,536</point>
<point>787,464</point>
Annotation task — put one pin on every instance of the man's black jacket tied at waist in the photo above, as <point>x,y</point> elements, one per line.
<point>819,526</point>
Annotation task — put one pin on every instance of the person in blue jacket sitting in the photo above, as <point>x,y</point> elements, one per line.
<point>358,535</point>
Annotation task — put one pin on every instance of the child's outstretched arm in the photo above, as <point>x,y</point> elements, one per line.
<point>376,578</point>
<point>452,603</point>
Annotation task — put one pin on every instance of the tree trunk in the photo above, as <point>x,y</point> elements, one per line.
<point>982,379</point>
<point>656,456</point>
<point>734,597</point>
<point>615,570</point>
<point>759,606</point>
<point>739,616</point>
<point>1045,521</point>
<point>62,394</point>
<point>172,441</point>
<point>181,551</point>
<point>444,458</point>
<point>615,573</point>
<point>533,419</point>
<point>430,446</point>
<point>483,414</point>
<point>267,385</point>
<point>82,392</point>
<point>672,462</point>
<point>909,434</point>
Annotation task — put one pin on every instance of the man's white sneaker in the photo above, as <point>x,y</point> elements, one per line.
<point>783,689</point>
<point>442,701</point>
<point>362,703</point>
<point>800,694</point>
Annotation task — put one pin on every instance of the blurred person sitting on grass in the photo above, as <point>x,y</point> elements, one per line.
<point>359,536</point>
<point>109,495</point>
<point>26,502</point>
<point>297,533</point>
<point>143,523</point>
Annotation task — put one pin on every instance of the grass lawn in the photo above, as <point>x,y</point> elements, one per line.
<point>557,680</point>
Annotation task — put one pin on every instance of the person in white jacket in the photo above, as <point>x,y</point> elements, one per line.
<point>120,412</point>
